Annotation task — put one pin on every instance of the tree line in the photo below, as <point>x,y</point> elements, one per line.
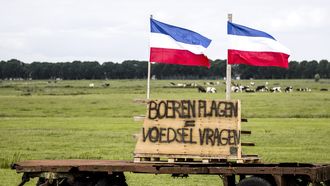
<point>133,69</point>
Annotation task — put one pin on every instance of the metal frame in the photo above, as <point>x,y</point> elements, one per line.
<point>280,173</point>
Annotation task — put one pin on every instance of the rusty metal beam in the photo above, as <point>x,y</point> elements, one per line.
<point>316,173</point>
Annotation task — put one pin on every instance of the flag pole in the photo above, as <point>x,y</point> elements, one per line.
<point>228,71</point>
<point>149,71</point>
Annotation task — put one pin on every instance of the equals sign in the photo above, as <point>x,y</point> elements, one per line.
<point>189,123</point>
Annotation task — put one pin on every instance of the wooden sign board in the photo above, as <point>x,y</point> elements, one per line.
<point>205,129</point>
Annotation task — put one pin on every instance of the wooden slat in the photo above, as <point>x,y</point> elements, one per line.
<point>139,118</point>
<point>246,132</point>
<point>244,120</point>
<point>250,155</point>
<point>247,144</point>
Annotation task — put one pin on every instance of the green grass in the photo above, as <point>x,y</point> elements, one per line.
<point>69,120</point>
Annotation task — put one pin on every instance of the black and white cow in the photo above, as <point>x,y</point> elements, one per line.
<point>235,88</point>
<point>207,89</point>
<point>105,84</point>
<point>275,89</point>
<point>211,90</point>
<point>262,88</point>
<point>288,89</point>
<point>243,88</point>
<point>201,89</point>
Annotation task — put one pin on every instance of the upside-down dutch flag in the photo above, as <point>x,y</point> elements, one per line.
<point>174,45</point>
<point>254,47</point>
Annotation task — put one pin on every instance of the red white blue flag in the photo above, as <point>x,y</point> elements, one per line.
<point>255,47</point>
<point>174,45</point>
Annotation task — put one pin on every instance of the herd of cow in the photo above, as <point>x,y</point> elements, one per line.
<point>209,87</point>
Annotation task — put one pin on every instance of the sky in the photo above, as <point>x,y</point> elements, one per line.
<point>118,30</point>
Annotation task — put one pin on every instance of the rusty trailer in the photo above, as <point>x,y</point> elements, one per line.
<point>111,172</point>
<point>181,138</point>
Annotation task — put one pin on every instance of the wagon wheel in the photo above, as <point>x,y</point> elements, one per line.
<point>117,179</point>
<point>253,181</point>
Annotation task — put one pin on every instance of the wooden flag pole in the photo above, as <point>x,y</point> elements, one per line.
<point>228,71</point>
<point>149,71</point>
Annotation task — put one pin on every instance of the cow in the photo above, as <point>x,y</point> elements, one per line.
<point>276,89</point>
<point>207,89</point>
<point>105,84</point>
<point>262,88</point>
<point>211,90</point>
<point>243,88</point>
<point>288,89</point>
<point>238,88</point>
<point>91,85</point>
<point>201,89</point>
<point>234,88</point>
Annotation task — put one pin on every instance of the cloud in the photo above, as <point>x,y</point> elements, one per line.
<point>109,30</point>
<point>301,18</point>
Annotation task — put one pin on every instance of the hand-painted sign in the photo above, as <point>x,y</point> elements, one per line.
<point>207,129</point>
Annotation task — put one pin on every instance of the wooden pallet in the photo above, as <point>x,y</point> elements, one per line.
<point>244,159</point>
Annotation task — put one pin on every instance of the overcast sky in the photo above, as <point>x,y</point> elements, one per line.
<point>117,30</point>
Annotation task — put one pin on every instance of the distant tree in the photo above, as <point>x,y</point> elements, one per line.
<point>293,71</point>
<point>323,69</point>
<point>2,64</point>
<point>14,69</point>
<point>132,69</point>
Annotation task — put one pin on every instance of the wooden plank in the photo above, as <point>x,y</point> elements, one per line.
<point>138,118</point>
<point>141,118</point>
<point>250,156</point>
<point>246,132</point>
<point>205,161</point>
<point>244,120</point>
<point>171,160</point>
<point>247,144</point>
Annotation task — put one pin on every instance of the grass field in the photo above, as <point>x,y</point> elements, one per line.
<point>67,119</point>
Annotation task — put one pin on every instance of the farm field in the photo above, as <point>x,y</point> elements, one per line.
<point>70,120</point>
